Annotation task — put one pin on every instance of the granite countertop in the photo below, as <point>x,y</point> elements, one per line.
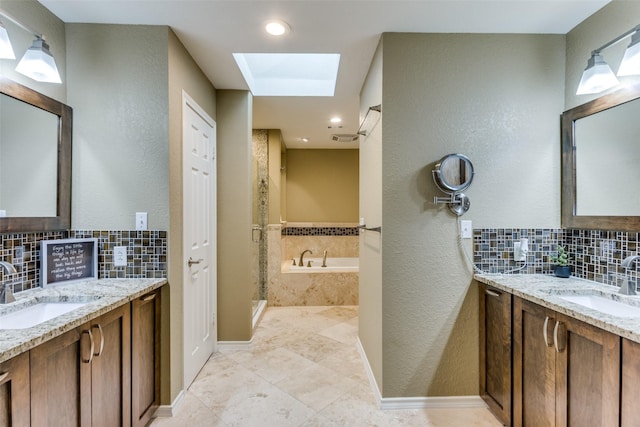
<point>101,296</point>
<point>546,291</point>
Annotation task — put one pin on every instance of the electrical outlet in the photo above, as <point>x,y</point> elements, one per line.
<point>141,220</point>
<point>466,229</point>
<point>120,256</point>
<point>517,253</point>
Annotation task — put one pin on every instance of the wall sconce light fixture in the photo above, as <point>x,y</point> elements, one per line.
<point>38,62</point>
<point>598,76</point>
<point>6,50</point>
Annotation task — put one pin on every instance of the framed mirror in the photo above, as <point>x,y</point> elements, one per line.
<point>35,160</point>
<point>600,159</point>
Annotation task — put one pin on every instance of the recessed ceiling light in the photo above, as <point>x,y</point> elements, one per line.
<point>336,120</point>
<point>304,139</point>
<point>277,28</point>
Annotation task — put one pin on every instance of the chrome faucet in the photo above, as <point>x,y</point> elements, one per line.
<point>6,289</point>
<point>301,263</point>
<point>627,288</point>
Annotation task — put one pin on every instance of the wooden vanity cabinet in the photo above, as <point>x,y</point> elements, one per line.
<point>14,391</point>
<point>59,379</point>
<point>495,351</point>
<point>111,369</point>
<point>82,378</point>
<point>565,372</point>
<point>145,361</point>
<point>629,408</point>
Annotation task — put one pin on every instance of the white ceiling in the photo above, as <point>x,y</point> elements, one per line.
<point>212,30</point>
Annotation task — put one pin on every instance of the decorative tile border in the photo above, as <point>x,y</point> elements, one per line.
<point>146,253</point>
<point>321,231</point>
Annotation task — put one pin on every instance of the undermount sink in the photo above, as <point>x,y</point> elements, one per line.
<point>38,312</point>
<point>604,305</point>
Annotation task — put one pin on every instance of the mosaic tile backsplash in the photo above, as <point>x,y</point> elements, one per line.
<point>493,249</point>
<point>593,254</point>
<point>146,254</point>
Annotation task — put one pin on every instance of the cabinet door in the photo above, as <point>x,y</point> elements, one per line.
<point>587,374</point>
<point>60,375</point>
<point>145,361</point>
<point>111,369</point>
<point>14,391</point>
<point>495,351</point>
<point>629,408</point>
<point>533,365</point>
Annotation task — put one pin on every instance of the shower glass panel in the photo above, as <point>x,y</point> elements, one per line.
<point>260,179</point>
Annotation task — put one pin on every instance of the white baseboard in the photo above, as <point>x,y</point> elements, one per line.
<point>391,403</point>
<point>367,368</point>
<point>169,410</point>
<point>235,345</point>
<point>262,307</point>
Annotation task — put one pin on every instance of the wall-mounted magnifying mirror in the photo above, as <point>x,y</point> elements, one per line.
<point>453,174</point>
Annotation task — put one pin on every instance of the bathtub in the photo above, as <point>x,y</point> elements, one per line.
<point>334,265</point>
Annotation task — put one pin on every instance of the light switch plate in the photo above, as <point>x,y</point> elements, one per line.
<point>141,220</point>
<point>466,229</point>
<point>120,256</point>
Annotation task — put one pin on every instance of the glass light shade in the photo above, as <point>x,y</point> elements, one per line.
<point>6,50</point>
<point>38,63</point>
<point>596,77</point>
<point>630,65</point>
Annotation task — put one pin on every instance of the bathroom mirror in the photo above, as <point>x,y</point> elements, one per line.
<point>600,158</point>
<point>35,160</point>
<point>453,174</point>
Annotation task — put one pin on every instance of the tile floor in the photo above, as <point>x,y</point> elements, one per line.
<point>302,369</point>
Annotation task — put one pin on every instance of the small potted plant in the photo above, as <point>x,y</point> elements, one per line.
<point>561,263</point>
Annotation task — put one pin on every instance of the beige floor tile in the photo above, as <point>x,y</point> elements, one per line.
<point>317,386</point>
<point>302,369</point>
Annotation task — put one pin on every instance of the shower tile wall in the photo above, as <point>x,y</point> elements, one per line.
<point>146,251</point>
<point>260,214</point>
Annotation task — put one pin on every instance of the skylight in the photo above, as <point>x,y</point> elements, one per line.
<point>289,74</point>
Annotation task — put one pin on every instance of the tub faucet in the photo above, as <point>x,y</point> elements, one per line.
<point>6,289</point>
<point>324,259</point>
<point>627,288</point>
<point>301,263</point>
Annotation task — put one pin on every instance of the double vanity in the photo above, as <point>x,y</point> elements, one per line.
<point>557,352</point>
<point>88,356</point>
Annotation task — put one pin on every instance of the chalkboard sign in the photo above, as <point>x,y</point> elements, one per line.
<point>68,260</point>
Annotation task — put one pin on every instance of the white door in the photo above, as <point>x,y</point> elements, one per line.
<point>199,237</point>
